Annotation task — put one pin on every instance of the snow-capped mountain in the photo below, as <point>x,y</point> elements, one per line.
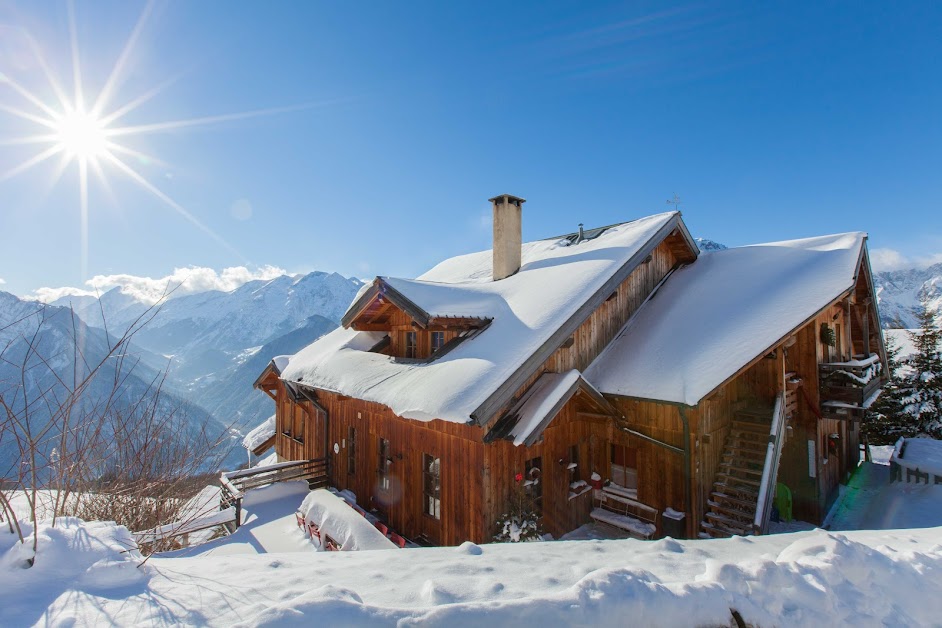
<point>900,293</point>
<point>44,350</point>
<point>218,342</point>
<point>709,245</point>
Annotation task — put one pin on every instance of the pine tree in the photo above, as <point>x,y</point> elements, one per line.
<point>885,420</point>
<point>923,391</point>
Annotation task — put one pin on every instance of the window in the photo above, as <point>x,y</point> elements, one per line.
<point>574,464</point>
<point>533,483</point>
<point>624,466</point>
<point>432,486</point>
<point>351,450</point>
<point>298,429</point>
<point>411,349</point>
<point>383,466</point>
<point>438,340</point>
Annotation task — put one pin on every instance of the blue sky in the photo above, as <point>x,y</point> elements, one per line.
<point>769,121</point>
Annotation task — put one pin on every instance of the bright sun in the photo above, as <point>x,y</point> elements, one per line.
<point>81,135</point>
<point>92,137</point>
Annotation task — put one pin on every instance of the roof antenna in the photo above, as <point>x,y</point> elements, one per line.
<point>675,202</point>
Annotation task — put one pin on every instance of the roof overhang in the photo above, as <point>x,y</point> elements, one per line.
<point>536,409</point>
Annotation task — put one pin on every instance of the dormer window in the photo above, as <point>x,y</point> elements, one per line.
<point>411,346</point>
<point>438,340</point>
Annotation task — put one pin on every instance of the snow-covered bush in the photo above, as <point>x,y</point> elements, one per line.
<point>521,521</point>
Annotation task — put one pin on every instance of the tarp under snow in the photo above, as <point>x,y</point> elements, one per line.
<point>336,518</point>
<point>556,278</point>
<point>713,317</point>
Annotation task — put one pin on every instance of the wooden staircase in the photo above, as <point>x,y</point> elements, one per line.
<point>733,501</point>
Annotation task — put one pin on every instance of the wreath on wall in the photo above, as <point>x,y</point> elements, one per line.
<point>828,337</point>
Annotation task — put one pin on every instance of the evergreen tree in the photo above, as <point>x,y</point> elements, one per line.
<point>885,420</point>
<point>923,391</point>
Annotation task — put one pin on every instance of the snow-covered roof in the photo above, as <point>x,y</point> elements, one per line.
<point>344,524</point>
<point>713,317</point>
<point>544,301</point>
<point>259,434</point>
<point>545,398</point>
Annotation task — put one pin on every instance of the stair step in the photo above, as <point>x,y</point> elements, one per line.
<point>742,503</point>
<point>735,491</point>
<point>730,467</point>
<point>725,477</point>
<point>713,531</point>
<point>752,451</point>
<point>758,461</point>
<point>750,426</point>
<point>736,527</point>
<point>732,512</point>
<point>746,435</point>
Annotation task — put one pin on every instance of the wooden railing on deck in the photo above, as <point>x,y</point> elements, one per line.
<point>235,483</point>
<point>847,386</point>
<point>773,455</point>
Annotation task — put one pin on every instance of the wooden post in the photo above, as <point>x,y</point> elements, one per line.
<point>866,329</point>
<point>238,513</point>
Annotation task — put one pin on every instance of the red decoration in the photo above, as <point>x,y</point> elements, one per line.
<point>518,477</point>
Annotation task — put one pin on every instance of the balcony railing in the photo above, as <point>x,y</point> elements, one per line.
<point>848,388</point>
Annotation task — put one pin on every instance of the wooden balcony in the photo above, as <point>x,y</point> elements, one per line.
<point>848,388</point>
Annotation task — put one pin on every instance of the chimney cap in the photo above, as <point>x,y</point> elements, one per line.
<point>510,198</point>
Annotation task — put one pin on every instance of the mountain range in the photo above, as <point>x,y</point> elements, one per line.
<point>900,293</point>
<point>214,344</point>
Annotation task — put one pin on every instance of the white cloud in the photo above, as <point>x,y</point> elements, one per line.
<point>181,281</point>
<point>891,259</point>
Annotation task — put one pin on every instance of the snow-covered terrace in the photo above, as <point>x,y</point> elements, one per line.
<point>526,310</point>
<point>713,317</point>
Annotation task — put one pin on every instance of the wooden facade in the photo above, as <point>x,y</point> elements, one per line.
<point>674,451</point>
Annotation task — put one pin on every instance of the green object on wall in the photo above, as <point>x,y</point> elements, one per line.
<point>783,501</point>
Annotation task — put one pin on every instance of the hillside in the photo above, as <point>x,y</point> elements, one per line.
<point>55,349</point>
<point>218,342</point>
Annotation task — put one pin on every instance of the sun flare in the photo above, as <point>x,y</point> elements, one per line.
<point>81,135</point>
<point>94,138</point>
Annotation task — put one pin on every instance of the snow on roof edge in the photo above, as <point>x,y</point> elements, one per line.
<point>818,244</point>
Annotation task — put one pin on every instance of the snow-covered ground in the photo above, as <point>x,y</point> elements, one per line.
<point>85,576</point>
<point>870,502</point>
<point>268,573</point>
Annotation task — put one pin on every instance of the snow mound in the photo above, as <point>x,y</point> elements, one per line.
<point>97,558</point>
<point>922,454</point>
<point>891,577</point>
<point>345,525</point>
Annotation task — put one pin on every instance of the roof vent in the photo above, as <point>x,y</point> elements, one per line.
<point>507,235</point>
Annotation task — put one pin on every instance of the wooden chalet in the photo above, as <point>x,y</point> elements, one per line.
<point>624,375</point>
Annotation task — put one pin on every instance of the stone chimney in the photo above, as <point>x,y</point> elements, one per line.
<point>507,235</point>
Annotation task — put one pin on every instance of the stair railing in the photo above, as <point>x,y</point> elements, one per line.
<point>773,455</point>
